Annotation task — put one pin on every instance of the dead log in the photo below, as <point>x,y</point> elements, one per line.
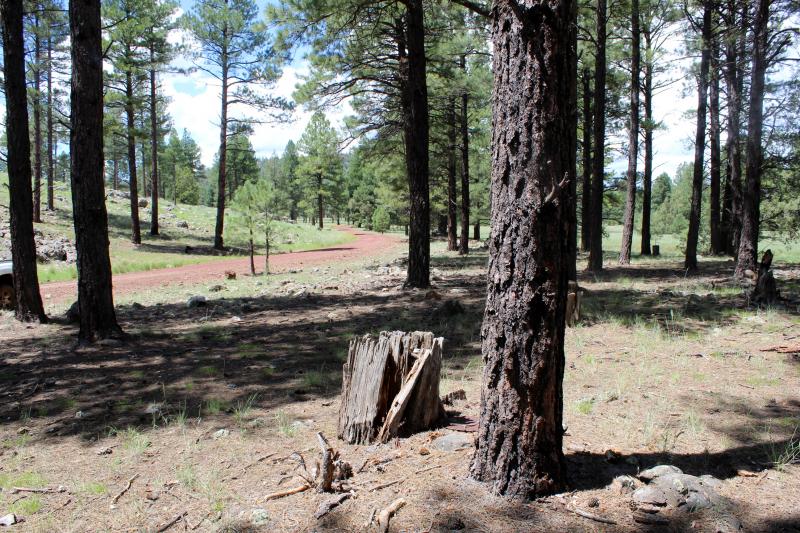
<point>387,513</point>
<point>325,474</point>
<point>390,384</point>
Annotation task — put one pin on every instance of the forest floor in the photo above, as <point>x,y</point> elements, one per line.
<point>202,408</point>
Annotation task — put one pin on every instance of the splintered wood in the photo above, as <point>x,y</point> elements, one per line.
<point>390,385</point>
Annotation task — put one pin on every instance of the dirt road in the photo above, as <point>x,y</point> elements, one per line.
<point>365,245</point>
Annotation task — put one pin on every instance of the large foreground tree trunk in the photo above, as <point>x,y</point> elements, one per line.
<point>23,246</point>
<point>586,151</point>
<point>51,146</point>
<point>95,298</point>
<point>37,119</point>
<point>633,141</point>
<point>690,261</point>
<point>415,133</point>
<point>519,442</point>
<point>598,162</point>
<point>747,258</point>
<point>219,228</point>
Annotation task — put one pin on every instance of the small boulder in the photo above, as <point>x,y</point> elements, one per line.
<point>259,517</point>
<point>221,433</point>
<point>196,301</point>
<point>143,202</point>
<point>453,442</point>
<point>8,520</point>
<point>651,473</point>
<point>183,224</point>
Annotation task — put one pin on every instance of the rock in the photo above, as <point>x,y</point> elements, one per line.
<point>624,484</point>
<point>256,423</point>
<point>137,305</point>
<point>196,301</point>
<point>453,442</point>
<point>216,288</point>
<point>727,524</point>
<point>221,433</point>
<point>104,451</point>
<point>651,473</point>
<point>302,292</point>
<point>650,519</point>
<point>696,501</point>
<point>153,409</point>
<point>143,202</point>
<point>79,414</point>
<point>230,274</point>
<point>259,517</point>
<point>73,314</point>
<point>183,224</point>
<point>8,520</point>
<point>651,495</point>
<point>24,430</point>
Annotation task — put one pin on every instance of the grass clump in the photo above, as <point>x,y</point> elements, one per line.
<point>26,506</point>
<point>133,440</point>
<point>585,406</point>
<point>284,423</point>
<point>243,409</point>
<point>215,406</point>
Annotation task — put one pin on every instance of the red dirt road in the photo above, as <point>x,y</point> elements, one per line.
<point>365,245</point>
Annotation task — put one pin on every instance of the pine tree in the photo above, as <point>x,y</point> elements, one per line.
<point>320,167</point>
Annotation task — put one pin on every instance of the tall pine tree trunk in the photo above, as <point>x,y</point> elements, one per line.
<point>37,120</point>
<point>633,142</point>
<point>95,298</point>
<point>415,134</point>
<point>223,147</point>
<point>598,162</point>
<point>463,244</point>
<point>747,258</point>
<point>320,204</point>
<point>23,245</point>
<point>136,234</point>
<point>153,147</point>
<point>647,178</point>
<point>715,158</point>
<point>734,81</point>
<point>586,152</point>
<point>51,146</point>
<point>452,230</point>
<point>690,261</point>
<point>519,440</point>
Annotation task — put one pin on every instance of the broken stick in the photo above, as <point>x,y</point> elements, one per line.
<point>326,507</point>
<point>288,492</point>
<point>46,490</point>
<point>387,513</point>
<point>126,489</point>
<point>172,522</point>
<point>590,516</point>
<point>325,474</point>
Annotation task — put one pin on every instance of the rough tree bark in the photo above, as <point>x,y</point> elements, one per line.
<point>633,141</point>
<point>715,159</point>
<point>153,146</point>
<point>416,135</point>
<point>452,230</point>
<point>598,162</point>
<point>519,441</point>
<point>130,133</point>
<point>586,151</point>
<point>95,298</point>
<point>647,177</point>
<point>747,258</point>
<point>23,246</point>
<point>320,204</point>
<point>690,261</point>
<point>463,244</point>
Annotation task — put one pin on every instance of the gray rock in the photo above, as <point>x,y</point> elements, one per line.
<point>216,288</point>
<point>727,524</point>
<point>143,202</point>
<point>259,517</point>
<point>8,520</point>
<point>651,473</point>
<point>452,442</point>
<point>73,314</point>
<point>697,501</point>
<point>221,433</point>
<point>651,495</point>
<point>197,301</point>
<point>183,224</point>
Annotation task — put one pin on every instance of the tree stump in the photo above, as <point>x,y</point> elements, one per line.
<point>390,386</point>
<point>766,289</point>
<point>574,297</point>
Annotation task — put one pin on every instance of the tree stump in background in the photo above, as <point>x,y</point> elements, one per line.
<point>390,386</point>
<point>766,289</point>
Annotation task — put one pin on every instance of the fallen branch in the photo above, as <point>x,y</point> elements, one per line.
<point>325,473</point>
<point>326,507</point>
<point>428,469</point>
<point>590,516</point>
<point>172,522</point>
<point>126,489</point>
<point>384,485</point>
<point>288,492</point>
<point>387,513</point>
<point>45,490</point>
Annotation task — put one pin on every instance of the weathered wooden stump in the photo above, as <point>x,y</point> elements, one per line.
<point>766,289</point>
<point>390,386</point>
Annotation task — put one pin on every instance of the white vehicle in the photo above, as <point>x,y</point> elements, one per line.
<point>7,295</point>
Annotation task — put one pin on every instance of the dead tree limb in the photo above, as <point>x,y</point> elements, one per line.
<point>387,513</point>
